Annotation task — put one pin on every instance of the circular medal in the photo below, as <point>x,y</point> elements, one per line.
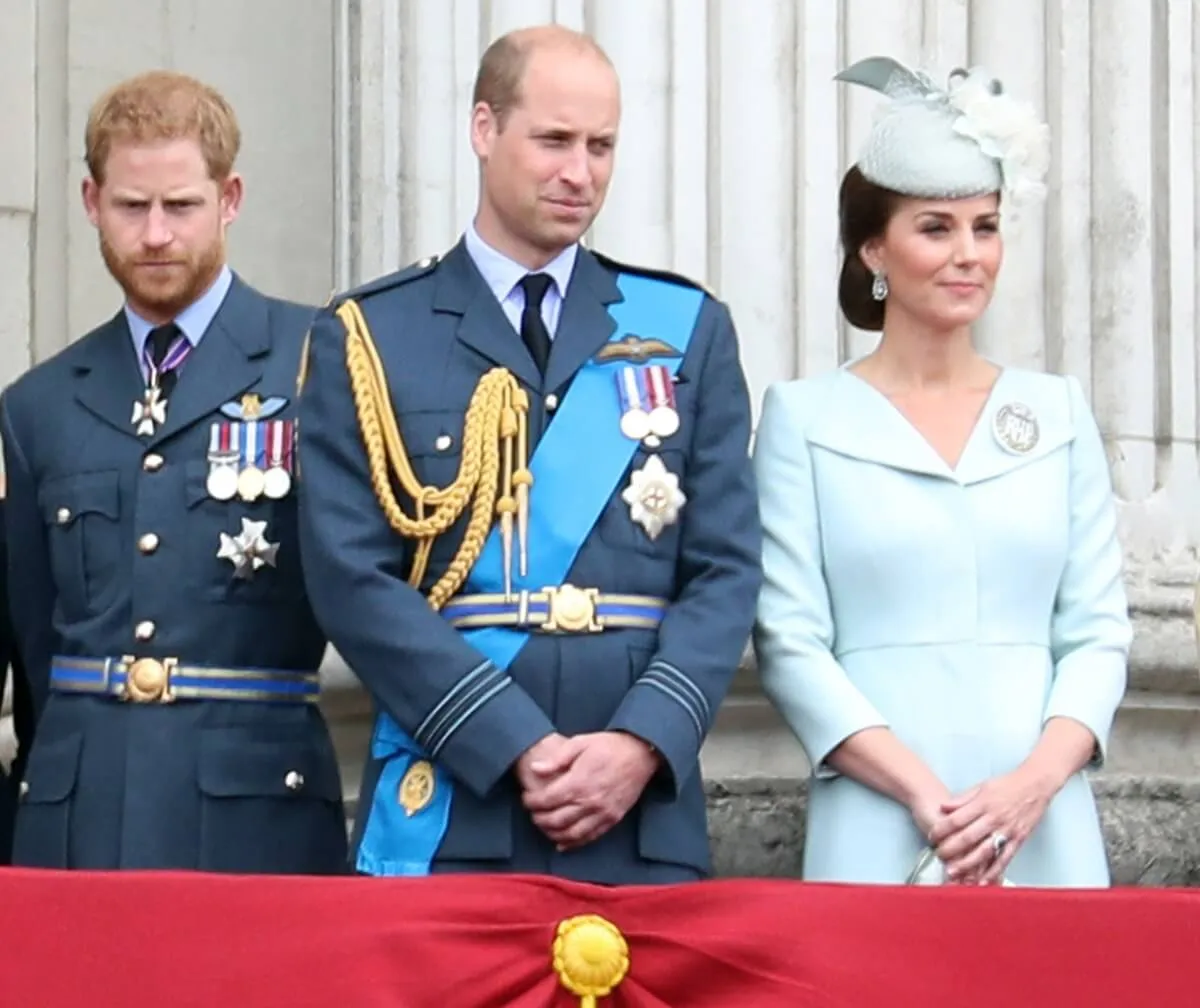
<point>250,483</point>
<point>417,788</point>
<point>1016,428</point>
<point>664,421</point>
<point>222,482</point>
<point>277,483</point>
<point>635,424</point>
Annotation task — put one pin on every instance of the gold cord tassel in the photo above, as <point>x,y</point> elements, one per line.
<point>522,478</point>
<point>494,425</point>
<point>507,505</point>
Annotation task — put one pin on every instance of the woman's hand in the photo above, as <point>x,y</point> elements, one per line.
<point>980,832</point>
<point>926,810</point>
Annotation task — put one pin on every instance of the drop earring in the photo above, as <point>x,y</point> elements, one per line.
<point>879,286</point>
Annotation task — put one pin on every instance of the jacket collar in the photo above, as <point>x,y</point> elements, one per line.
<point>1026,417</point>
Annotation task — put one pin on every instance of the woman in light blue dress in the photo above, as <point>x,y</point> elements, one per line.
<point>943,621</point>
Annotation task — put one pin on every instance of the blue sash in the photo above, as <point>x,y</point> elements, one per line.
<point>566,501</point>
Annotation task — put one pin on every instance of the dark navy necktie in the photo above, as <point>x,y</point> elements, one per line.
<point>533,328</point>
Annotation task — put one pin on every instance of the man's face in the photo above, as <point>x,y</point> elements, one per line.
<point>161,219</point>
<point>546,172</point>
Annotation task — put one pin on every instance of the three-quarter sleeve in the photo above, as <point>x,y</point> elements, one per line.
<point>794,631</point>
<point>1090,628</point>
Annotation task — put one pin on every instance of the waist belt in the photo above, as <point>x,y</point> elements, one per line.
<point>564,609</point>
<point>162,680</point>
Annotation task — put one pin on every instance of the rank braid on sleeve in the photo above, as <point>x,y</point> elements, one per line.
<point>493,478</point>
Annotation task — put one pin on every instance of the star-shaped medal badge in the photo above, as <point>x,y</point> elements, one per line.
<point>249,551</point>
<point>654,497</point>
<point>149,411</point>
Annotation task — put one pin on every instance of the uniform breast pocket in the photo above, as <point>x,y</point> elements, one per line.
<point>82,513</point>
<point>433,440</point>
<point>649,521</point>
<point>241,551</point>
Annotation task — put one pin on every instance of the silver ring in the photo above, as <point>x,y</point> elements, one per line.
<point>999,842</point>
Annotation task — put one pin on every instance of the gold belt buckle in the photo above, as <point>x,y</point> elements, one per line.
<point>148,680</point>
<point>571,610</point>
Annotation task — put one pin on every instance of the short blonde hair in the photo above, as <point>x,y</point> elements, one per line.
<point>163,105</point>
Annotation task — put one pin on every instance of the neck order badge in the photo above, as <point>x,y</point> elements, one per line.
<point>150,411</point>
<point>410,808</point>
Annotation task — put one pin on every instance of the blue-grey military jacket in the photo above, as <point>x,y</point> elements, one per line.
<point>113,553</point>
<point>439,329</point>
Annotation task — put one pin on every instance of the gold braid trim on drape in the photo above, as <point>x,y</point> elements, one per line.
<point>492,431</point>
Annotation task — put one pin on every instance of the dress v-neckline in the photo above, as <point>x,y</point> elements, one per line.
<point>984,410</point>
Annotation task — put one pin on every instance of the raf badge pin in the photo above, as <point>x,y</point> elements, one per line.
<point>248,551</point>
<point>1016,428</point>
<point>654,497</point>
<point>632,347</point>
<point>253,407</point>
<point>416,789</point>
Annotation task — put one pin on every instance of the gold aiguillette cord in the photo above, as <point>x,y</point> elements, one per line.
<point>522,478</point>
<point>506,505</point>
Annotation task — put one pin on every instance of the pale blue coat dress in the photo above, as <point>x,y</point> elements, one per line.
<point>961,608</point>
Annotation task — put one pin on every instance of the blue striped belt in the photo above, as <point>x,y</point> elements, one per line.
<point>163,680</point>
<point>562,609</point>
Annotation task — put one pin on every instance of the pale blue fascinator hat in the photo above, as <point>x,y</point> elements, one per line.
<point>966,139</point>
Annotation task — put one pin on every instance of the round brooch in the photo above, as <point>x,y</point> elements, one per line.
<point>1015,428</point>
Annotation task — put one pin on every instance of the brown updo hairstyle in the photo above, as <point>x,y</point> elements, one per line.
<point>864,210</point>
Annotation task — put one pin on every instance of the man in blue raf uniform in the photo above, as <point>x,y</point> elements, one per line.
<point>157,593</point>
<point>528,517</point>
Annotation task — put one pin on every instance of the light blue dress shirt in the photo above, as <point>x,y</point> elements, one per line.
<point>503,276</point>
<point>192,321</point>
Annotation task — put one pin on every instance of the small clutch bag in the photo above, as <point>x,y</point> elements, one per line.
<point>929,870</point>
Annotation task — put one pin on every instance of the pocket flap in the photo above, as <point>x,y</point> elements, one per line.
<point>195,481</point>
<point>65,498</point>
<point>232,766</point>
<point>53,770</point>
<point>432,433</point>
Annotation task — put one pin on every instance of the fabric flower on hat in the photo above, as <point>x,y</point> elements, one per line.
<point>1005,129</point>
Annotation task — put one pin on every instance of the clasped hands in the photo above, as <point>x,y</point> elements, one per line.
<point>578,787</point>
<point>963,829</point>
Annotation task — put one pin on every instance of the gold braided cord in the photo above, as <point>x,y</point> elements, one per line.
<point>478,482</point>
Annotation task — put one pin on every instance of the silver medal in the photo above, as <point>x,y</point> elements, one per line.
<point>222,482</point>
<point>276,483</point>
<point>635,424</point>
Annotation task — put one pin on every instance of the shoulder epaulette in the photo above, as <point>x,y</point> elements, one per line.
<point>656,274</point>
<point>406,275</point>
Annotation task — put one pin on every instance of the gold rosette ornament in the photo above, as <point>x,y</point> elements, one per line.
<point>591,957</point>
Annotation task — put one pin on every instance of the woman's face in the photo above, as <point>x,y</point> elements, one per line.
<point>940,258</point>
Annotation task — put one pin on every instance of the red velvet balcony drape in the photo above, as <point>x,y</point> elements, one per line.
<point>169,940</point>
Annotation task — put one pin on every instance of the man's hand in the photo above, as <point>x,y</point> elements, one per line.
<point>598,783</point>
<point>545,760</point>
